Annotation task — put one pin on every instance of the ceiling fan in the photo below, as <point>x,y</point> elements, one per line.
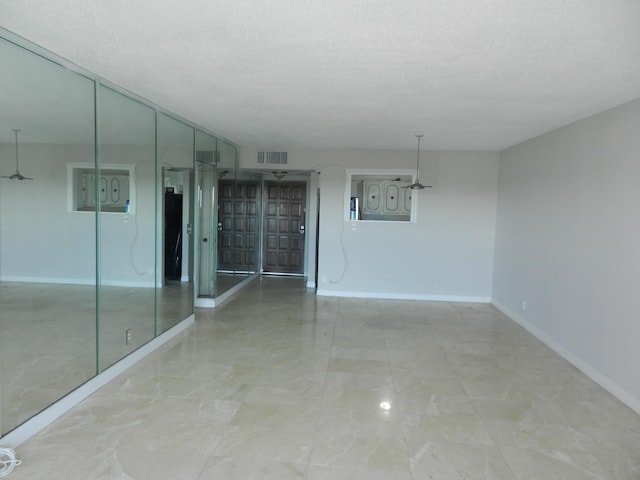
<point>417,185</point>
<point>17,175</point>
<point>279,174</point>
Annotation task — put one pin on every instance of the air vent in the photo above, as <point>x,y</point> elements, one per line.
<point>208,156</point>
<point>273,158</point>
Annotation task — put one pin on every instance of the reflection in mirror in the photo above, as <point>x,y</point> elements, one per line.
<point>47,251</point>
<point>247,218</point>
<point>207,162</point>
<point>126,304</point>
<point>206,226</point>
<point>237,221</point>
<point>227,231</point>
<point>227,218</point>
<point>176,222</point>
<point>84,279</point>
<point>225,272</point>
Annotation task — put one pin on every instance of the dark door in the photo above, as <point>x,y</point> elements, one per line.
<point>237,226</point>
<point>284,227</point>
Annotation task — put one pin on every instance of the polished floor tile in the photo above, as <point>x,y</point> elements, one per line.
<point>278,383</point>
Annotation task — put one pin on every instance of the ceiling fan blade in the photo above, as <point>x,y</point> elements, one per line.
<point>417,186</point>
<point>16,176</point>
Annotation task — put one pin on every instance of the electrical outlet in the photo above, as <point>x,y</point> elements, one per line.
<point>324,279</point>
<point>524,305</point>
<point>353,226</point>
<point>128,335</point>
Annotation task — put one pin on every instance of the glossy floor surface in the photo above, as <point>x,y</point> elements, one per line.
<point>280,384</point>
<point>49,335</point>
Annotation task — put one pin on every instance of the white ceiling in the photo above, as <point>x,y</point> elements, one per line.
<point>469,74</point>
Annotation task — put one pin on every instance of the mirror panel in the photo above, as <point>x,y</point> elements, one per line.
<point>248,218</point>
<point>47,251</point>
<point>175,221</point>
<point>127,258</point>
<point>208,228</point>
<point>232,217</point>
<point>84,279</point>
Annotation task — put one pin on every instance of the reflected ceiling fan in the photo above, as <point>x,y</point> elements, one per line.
<point>417,185</point>
<point>17,175</point>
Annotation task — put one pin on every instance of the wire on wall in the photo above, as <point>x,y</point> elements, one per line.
<point>344,255</point>
<point>137,232</point>
<point>8,461</point>
<point>318,169</point>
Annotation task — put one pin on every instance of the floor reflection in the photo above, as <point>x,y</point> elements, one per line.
<point>48,337</point>
<point>226,281</point>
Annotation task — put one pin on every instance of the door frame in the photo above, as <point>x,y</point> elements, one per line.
<point>312,180</point>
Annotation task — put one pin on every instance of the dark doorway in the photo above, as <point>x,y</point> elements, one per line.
<point>172,235</point>
<point>284,227</point>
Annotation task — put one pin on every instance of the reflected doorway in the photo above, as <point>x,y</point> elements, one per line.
<point>176,261</point>
<point>178,225</point>
<point>238,226</point>
<point>172,235</point>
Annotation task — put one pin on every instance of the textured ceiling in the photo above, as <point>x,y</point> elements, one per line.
<point>468,74</point>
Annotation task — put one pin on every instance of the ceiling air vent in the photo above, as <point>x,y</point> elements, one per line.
<point>208,156</point>
<point>273,158</point>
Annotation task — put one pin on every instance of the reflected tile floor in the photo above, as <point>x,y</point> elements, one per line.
<point>48,337</point>
<point>280,384</point>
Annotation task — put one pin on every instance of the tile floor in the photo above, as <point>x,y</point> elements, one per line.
<point>281,384</point>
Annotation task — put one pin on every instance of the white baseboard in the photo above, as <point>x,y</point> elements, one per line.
<point>115,283</point>
<point>604,381</point>
<point>77,281</point>
<point>205,302</point>
<point>311,284</point>
<point>404,296</point>
<point>55,280</point>
<point>208,302</point>
<point>38,422</point>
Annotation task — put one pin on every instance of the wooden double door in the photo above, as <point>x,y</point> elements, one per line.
<point>283,226</point>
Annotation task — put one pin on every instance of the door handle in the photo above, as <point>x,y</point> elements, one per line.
<point>219,226</point>
<point>302,229</point>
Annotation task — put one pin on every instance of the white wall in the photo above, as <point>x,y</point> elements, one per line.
<point>446,254</point>
<point>127,242</point>
<point>567,244</point>
<point>42,241</point>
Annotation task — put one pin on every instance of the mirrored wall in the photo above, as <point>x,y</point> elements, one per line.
<point>105,202</point>
<point>48,296</point>
<point>229,216</point>
<point>175,250</point>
